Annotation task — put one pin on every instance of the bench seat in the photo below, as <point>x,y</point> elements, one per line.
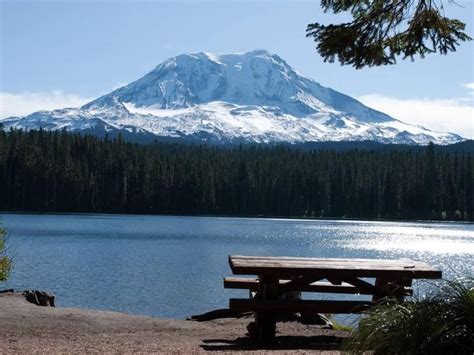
<point>320,286</point>
<point>281,306</point>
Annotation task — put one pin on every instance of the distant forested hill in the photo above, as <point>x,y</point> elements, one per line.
<point>61,172</point>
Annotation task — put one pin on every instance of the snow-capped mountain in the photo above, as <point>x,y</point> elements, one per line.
<point>250,97</point>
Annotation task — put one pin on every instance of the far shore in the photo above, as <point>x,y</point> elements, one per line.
<point>27,328</point>
<point>295,218</point>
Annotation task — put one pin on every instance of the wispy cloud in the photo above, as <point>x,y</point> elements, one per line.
<point>469,86</point>
<point>21,104</point>
<point>445,115</point>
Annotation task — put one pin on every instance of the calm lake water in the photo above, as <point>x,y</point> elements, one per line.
<point>173,266</point>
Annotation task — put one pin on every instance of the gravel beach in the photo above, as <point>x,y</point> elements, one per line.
<point>28,328</point>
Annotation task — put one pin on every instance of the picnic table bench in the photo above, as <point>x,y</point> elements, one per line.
<point>277,276</point>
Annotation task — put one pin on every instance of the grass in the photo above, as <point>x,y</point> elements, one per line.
<point>339,326</point>
<point>442,323</point>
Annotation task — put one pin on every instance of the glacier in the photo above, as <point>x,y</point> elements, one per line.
<point>252,97</point>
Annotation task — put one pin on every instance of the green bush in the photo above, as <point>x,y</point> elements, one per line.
<point>5,263</point>
<point>439,324</point>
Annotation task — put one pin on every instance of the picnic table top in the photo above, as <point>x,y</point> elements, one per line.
<point>280,266</point>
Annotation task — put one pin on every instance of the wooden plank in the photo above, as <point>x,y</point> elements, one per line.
<point>382,264</point>
<point>364,285</point>
<point>368,264</point>
<point>320,286</point>
<point>332,268</point>
<point>278,306</point>
<point>298,282</point>
<point>244,283</point>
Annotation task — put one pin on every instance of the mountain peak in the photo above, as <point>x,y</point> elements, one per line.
<point>251,78</point>
<point>259,51</point>
<point>251,97</point>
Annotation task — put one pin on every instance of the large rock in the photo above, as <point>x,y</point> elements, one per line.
<point>40,298</point>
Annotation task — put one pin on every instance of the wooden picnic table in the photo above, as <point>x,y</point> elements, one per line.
<point>277,276</point>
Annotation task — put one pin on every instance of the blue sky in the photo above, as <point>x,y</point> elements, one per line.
<point>56,53</point>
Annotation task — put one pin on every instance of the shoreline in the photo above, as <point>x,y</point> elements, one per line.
<point>28,328</point>
<point>290,218</point>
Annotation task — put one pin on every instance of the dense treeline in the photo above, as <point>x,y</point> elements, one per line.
<point>62,172</point>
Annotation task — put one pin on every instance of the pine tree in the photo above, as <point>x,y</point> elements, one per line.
<point>382,30</point>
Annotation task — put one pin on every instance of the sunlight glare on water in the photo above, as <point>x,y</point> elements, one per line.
<point>432,239</point>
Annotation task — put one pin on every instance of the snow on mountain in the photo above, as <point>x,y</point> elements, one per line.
<point>250,97</point>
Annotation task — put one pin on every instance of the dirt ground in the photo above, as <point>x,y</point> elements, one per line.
<point>27,328</point>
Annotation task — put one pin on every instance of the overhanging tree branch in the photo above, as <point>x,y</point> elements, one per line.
<point>383,30</point>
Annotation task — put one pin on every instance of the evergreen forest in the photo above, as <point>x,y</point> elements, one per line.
<point>43,171</point>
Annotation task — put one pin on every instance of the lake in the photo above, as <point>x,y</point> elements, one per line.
<point>169,266</point>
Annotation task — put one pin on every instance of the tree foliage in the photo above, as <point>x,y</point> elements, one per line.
<point>5,264</point>
<point>382,30</point>
<point>61,172</point>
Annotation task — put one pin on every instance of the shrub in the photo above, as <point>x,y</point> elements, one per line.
<point>5,264</point>
<point>439,324</point>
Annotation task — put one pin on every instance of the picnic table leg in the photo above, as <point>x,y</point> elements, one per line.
<point>380,284</point>
<point>266,321</point>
